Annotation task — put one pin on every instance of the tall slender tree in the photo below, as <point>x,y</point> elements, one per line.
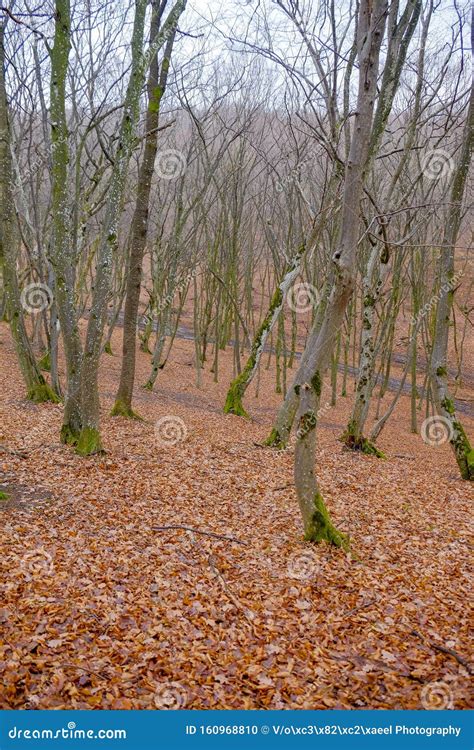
<point>156,86</point>
<point>444,403</point>
<point>36,385</point>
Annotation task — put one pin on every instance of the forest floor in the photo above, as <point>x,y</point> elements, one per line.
<point>99,609</point>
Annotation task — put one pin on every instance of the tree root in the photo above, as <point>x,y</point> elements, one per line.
<point>120,409</point>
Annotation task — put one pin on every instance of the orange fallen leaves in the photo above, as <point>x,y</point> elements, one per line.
<point>100,611</point>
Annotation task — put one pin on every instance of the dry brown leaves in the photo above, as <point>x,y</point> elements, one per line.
<point>97,610</point>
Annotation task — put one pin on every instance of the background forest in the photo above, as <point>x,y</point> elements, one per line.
<point>236,345</point>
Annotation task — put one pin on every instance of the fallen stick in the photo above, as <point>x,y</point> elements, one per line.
<point>3,449</point>
<point>198,531</point>
<point>361,606</point>
<point>448,651</point>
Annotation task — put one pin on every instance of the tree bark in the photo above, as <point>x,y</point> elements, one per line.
<point>37,388</point>
<point>156,86</point>
<point>61,249</point>
<point>444,403</point>
<point>239,385</point>
<point>318,351</point>
<point>317,523</point>
<point>89,440</point>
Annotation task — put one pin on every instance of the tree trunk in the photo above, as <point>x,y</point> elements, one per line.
<point>156,86</point>
<point>365,140</point>
<point>37,388</point>
<point>353,438</point>
<point>61,248</point>
<point>370,35</point>
<point>89,440</point>
<point>316,520</point>
<point>444,404</point>
<point>239,385</point>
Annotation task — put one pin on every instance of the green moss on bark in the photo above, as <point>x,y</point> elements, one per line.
<point>108,348</point>
<point>120,409</point>
<point>233,403</point>
<point>470,465</point>
<point>463,451</point>
<point>316,382</point>
<point>45,362</point>
<point>362,444</point>
<point>41,392</point>
<point>68,435</point>
<point>307,422</point>
<point>321,529</point>
<point>89,442</point>
<point>448,405</point>
<point>275,440</point>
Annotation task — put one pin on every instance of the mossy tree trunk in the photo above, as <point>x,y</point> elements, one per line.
<point>399,32</point>
<point>353,437</point>
<point>317,523</point>
<point>61,251</point>
<point>238,387</point>
<point>156,86</point>
<point>444,404</point>
<point>166,305</point>
<point>364,142</point>
<point>89,440</point>
<point>37,388</point>
<point>370,33</point>
<point>280,432</point>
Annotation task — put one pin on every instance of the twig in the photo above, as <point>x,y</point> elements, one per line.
<point>448,651</point>
<point>198,531</point>
<point>361,606</point>
<point>285,487</point>
<point>76,666</point>
<point>17,20</point>
<point>100,675</point>
<point>12,453</point>
<point>247,613</point>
